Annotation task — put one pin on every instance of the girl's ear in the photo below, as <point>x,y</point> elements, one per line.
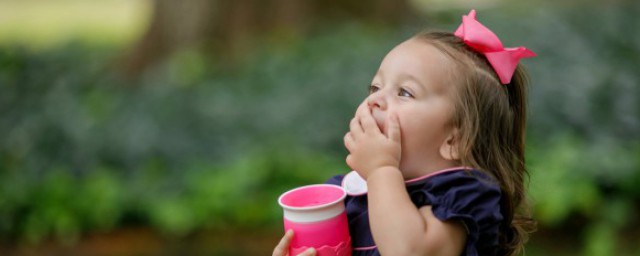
<point>449,149</point>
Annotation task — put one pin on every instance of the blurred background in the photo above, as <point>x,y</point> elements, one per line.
<point>139,127</point>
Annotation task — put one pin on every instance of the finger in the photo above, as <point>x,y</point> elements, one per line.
<point>355,127</point>
<point>348,141</point>
<point>363,107</point>
<point>349,161</point>
<point>283,247</point>
<point>367,122</point>
<point>308,252</point>
<point>393,128</point>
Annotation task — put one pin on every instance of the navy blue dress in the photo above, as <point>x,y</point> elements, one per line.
<point>465,195</point>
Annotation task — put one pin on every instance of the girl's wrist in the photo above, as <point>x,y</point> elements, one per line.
<point>384,172</point>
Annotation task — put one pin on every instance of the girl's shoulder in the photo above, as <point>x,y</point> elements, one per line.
<point>458,191</point>
<point>454,175</point>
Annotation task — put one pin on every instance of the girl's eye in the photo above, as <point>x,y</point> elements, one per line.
<point>373,88</point>
<point>405,93</point>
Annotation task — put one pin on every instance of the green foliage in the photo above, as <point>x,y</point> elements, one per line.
<point>59,204</point>
<point>552,168</point>
<point>187,147</point>
<point>241,194</point>
<point>193,145</point>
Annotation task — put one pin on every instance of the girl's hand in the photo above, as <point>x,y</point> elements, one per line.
<point>369,148</point>
<point>282,249</point>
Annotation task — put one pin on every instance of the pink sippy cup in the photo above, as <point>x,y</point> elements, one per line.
<point>317,216</point>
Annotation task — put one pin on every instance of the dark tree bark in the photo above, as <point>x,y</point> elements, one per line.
<point>223,28</point>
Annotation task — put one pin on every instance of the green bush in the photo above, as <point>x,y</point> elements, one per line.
<point>192,145</point>
<point>179,150</point>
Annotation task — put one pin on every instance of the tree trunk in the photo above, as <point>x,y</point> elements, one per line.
<point>225,27</point>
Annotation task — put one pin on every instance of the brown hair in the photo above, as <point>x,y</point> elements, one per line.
<point>491,118</point>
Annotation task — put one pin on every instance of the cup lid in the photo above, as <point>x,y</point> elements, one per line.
<point>354,184</point>
<point>313,202</point>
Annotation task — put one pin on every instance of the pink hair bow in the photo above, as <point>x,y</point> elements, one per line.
<point>480,38</point>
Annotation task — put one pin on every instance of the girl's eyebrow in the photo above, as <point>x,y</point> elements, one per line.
<point>412,78</point>
<point>402,78</point>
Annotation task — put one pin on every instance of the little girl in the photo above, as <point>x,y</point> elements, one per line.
<point>440,144</point>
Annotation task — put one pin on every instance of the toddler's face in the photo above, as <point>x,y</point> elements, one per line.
<point>412,82</point>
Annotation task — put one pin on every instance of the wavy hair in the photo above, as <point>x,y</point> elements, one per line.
<point>491,118</point>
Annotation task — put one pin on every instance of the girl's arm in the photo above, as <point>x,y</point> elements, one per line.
<point>399,228</point>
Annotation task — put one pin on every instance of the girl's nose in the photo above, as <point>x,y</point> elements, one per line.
<point>377,100</point>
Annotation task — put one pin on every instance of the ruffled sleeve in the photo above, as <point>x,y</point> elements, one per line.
<point>467,196</point>
<point>335,180</point>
